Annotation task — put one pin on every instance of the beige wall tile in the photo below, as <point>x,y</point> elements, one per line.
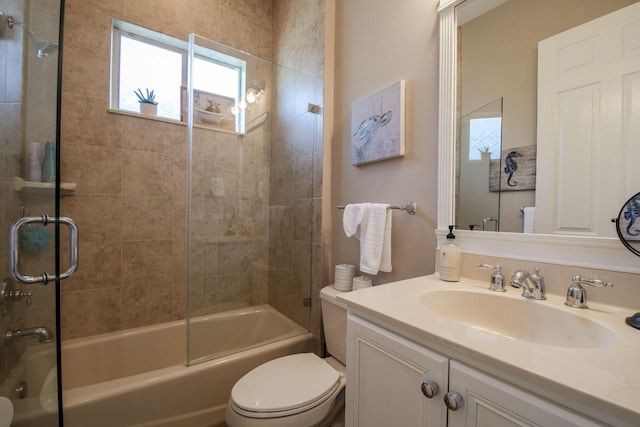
<point>233,288</point>
<point>86,72</point>
<point>91,22</point>
<point>152,135</point>
<point>145,305</point>
<point>94,169</point>
<point>147,174</point>
<point>302,263</point>
<point>85,121</point>
<point>99,217</point>
<point>95,311</point>
<point>147,263</point>
<point>100,266</point>
<point>147,218</point>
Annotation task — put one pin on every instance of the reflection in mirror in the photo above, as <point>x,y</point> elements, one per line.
<point>628,228</point>
<point>497,56</point>
<point>585,249</point>
<point>478,148</point>
<point>628,224</point>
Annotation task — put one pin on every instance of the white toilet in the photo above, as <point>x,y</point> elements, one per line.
<point>298,390</point>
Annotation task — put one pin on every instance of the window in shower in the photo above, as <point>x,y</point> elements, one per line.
<point>144,59</point>
<point>485,136</point>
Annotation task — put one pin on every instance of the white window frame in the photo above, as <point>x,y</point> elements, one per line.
<point>122,29</point>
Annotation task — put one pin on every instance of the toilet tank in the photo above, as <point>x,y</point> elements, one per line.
<point>334,320</point>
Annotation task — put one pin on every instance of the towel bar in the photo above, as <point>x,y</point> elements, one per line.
<point>409,207</point>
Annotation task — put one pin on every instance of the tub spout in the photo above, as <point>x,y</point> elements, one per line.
<point>41,332</point>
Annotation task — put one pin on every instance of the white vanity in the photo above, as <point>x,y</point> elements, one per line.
<point>420,346</point>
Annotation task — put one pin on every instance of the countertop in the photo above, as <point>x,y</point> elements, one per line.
<point>603,383</point>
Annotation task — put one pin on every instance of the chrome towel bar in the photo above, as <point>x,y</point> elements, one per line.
<point>409,207</point>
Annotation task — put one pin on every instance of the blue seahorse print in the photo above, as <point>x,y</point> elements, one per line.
<point>632,214</point>
<point>511,166</point>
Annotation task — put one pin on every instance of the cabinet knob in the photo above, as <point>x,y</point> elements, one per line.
<point>453,400</point>
<point>430,388</point>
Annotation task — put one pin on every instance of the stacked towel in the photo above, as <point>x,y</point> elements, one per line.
<point>371,224</point>
<point>529,219</point>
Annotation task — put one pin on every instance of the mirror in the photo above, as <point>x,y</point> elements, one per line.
<point>478,149</point>
<point>498,57</point>
<point>582,248</point>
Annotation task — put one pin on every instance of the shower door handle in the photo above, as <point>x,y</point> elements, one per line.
<point>14,251</point>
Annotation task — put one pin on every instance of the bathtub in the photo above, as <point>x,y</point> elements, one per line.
<point>139,377</point>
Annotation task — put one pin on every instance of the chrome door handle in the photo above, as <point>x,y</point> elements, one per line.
<point>14,252</point>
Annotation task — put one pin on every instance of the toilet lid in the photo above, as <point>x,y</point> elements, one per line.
<point>285,383</point>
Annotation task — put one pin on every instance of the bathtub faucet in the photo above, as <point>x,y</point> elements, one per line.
<point>41,332</point>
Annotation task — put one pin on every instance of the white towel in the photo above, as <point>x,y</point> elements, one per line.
<point>371,224</point>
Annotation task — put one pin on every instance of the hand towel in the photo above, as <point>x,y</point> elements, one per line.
<point>371,224</point>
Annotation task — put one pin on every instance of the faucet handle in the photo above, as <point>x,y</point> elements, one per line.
<point>496,283</point>
<point>577,280</point>
<point>577,295</point>
<point>16,295</point>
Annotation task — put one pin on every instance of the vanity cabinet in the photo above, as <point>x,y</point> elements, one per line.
<point>385,377</point>
<point>385,373</point>
<point>487,401</point>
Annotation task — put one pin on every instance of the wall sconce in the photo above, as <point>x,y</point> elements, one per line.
<point>253,95</point>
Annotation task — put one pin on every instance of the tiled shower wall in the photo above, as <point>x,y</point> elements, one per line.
<point>229,220</point>
<point>130,203</point>
<point>295,195</point>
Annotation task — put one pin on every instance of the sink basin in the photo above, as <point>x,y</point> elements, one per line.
<point>518,318</point>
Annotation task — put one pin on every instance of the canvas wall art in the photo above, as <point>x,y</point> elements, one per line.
<point>377,125</point>
<point>516,170</point>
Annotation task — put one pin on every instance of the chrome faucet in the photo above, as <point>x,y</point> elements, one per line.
<point>577,295</point>
<point>532,284</point>
<point>496,283</point>
<point>41,332</point>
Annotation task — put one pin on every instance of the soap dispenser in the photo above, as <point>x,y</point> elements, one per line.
<point>450,259</point>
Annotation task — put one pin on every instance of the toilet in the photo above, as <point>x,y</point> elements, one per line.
<point>300,389</point>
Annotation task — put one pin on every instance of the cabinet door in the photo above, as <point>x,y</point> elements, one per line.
<point>385,374</point>
<point>487,402</point>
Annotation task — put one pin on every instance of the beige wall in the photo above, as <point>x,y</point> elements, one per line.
<point>378,43</point>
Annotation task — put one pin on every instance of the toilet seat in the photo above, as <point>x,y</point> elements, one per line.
<point>285,386</point>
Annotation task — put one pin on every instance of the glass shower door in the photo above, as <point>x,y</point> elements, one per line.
<point>250,203</point>
<point>30,231</point>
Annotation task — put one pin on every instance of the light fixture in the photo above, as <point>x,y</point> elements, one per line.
<point>43,48</point>
<point>253,95</point>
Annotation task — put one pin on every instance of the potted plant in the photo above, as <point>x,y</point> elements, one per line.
<point>485,152</point>
<point>148,103</point>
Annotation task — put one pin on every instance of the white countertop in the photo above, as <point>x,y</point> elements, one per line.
<point>596,381</point>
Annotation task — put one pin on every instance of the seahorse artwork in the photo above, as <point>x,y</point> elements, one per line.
<point>632,214</point>
<point>511,166</point>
